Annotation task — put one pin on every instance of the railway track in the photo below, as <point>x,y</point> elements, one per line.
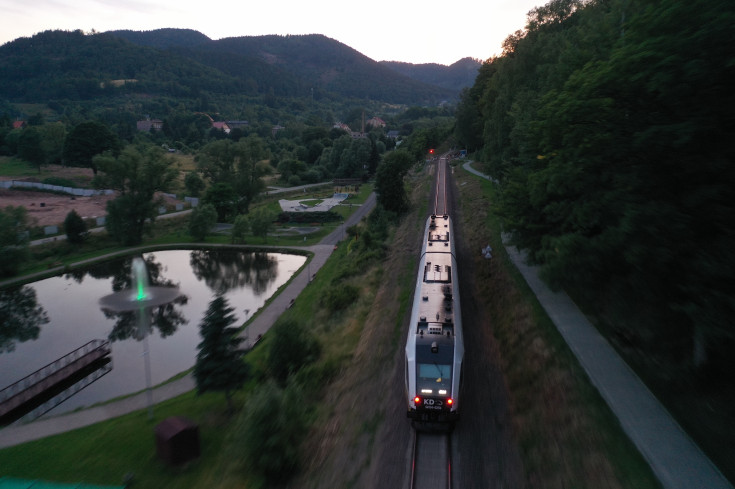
<point>432,461</point>
<point>440,199</point>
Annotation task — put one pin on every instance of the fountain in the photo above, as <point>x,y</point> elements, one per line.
<point>141,294</point>
<point>141,298</point>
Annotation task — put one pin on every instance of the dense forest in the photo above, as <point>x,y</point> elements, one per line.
<point>608,124</point>
<point>183,63</point>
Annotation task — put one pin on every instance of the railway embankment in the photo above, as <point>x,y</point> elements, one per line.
<point>676,461</point>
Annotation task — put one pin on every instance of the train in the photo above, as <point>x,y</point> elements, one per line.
<point>434,345</point>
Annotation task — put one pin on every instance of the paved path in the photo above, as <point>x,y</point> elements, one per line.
<point>14,435</point>
<point>675,459</point>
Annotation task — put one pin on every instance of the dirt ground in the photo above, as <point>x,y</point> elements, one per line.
<point>50,209</point>
<point>47,209</point>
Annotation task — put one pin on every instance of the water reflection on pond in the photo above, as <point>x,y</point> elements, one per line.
<point>66,314</point>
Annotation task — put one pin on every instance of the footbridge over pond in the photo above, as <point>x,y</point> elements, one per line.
<point>48,382</point>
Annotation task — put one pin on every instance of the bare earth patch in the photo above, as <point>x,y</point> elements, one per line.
<point>47,209</point>
<point>50,209</point>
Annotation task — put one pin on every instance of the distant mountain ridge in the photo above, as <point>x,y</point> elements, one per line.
<point>456,76</point>
<point>65,64</point>
<point>163,38</point>
<point>314,58</point>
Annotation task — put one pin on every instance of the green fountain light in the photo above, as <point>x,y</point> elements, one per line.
<point>141,296</point>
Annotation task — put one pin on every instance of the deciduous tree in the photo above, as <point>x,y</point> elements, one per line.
<point>137,174</point>
<point>86,141</point>
<point>389,185</point>
<point>29,147</point>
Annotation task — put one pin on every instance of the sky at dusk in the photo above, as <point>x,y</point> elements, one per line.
<point>426,31</point>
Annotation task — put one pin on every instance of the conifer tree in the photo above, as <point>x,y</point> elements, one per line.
<point>219,365</point>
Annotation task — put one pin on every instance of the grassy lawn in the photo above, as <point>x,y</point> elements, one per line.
<point>107,452</point>
<point>12,167</point>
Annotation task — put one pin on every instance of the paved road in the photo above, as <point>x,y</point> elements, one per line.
<point>14,435</point>
<point>675,459</point>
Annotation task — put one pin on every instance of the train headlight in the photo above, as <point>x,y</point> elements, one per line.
<point>417,400</point>
<point>450,401</point>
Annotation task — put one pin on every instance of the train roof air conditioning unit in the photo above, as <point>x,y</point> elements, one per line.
<point>435,329</point>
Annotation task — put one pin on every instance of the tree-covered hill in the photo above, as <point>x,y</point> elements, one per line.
<point>164,38</point>
<point>179,62</point>
<point>455,77</point>
<point>325,64</point>
<point>318,63</point>
<point>72,65</point>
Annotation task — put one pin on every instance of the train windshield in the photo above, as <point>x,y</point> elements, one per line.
<point>434,376</point>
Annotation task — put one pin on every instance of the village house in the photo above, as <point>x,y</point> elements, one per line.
<point>149,125</point>
<point>222,126</point>
<point>375,122</point>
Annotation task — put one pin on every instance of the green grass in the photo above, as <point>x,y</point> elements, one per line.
<point>16,168</point>
<point>104,453</point>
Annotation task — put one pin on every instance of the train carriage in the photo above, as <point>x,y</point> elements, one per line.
<point>434,347</point>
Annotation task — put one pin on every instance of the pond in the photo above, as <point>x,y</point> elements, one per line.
<point>47,319</point>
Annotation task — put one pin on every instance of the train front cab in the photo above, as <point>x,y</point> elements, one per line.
<point>434,405</point>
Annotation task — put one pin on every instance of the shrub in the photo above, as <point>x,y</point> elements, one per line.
<point>307,217</point>
<point>240,228</point>
<point>61,182</point>
<point>75,228</point>
<point>340,296</point>
<point>202,221</point>
<point>270,428</point>
<point>292,348</point>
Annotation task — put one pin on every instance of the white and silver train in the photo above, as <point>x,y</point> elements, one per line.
<point>435,348</point>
